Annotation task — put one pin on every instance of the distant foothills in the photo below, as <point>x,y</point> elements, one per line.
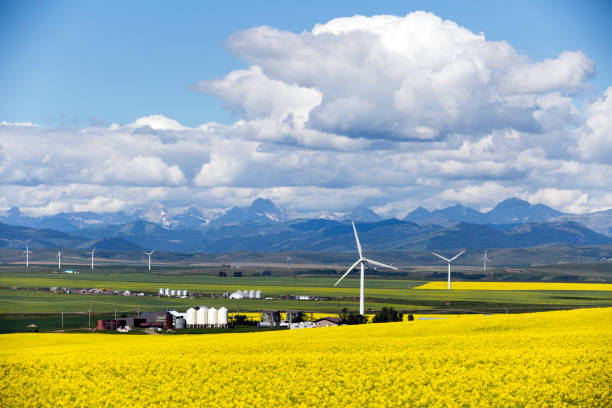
<point>266,227</point>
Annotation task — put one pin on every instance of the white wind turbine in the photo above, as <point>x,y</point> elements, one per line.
<point>92,257</point>
<point>27,253</point>
<point>59,259</point>
<point>449,262</point>
<point>361,261</point>
<point>484,260</point>
<point>149,254</point>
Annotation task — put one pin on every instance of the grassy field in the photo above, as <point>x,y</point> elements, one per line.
<point>22,293</point>
<point>555,359</point>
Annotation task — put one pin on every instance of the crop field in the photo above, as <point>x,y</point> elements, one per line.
<point>560,358</point>
<point>546,286</point>
<point>25,299</point>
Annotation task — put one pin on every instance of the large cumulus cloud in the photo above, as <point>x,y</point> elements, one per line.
<point>384,111</point>
<point>412,77</point>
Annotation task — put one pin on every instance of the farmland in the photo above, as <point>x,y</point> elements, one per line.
<point>520,286</point>
<point>546,359</point>
<point>25,296</point>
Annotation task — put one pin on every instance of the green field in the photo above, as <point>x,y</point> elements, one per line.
<point>24,294</point>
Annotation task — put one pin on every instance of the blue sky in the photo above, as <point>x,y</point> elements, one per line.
<point>112,105</point>
<point>70,63</point>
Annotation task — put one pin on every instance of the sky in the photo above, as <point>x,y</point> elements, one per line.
<point>319,106</point>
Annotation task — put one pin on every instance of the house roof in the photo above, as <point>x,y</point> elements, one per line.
<point>330,319</point>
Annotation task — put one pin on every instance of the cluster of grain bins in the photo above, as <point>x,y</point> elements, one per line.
<point>204,317</point>
<point>173,292</point>
<point>246,294</point>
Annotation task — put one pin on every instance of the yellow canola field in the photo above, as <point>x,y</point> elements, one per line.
<point>552,359</point>
<point>518,286</point>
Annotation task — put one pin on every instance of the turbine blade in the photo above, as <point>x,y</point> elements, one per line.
<point>357,239</point>
<point>379,264</point>
<point>457,256</point>
<point>347,272</point>
<point>440,256</point>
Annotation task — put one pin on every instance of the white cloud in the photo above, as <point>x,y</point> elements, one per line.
<point>486,194</point>
<point>385,111</point>
<point>416,76</point>
<point>571,201</point>
<point>595,141</point>
<point>141,170</point>
<point>567,72</point>
<point>157,122</point>
<point>19,124</point>
<point>259,96</point>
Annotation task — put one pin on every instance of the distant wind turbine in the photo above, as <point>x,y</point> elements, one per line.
<point>288,259</point>
<point>59,259</point>
<point>149,254</point>
<point>92,257</point>
<point>449,262</point>
<point>27,253</point>
<point>484,260</point>
<point>361,261</point>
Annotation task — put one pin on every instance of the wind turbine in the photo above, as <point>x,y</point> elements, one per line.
<point>484,260</point>
<point>59,259</point>
<point>361,261</point>
<point>449,262</point>
<point>92,256</point>
<point>27,253</point>
<point>288,259</point>
<point>149,254</point>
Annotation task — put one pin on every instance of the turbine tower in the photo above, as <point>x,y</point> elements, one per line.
<point>361,261</point>
<point>484,260</point>
<point>92,257</point>
<point>149,254</point>
<point>27,253</point>
<point>449,262</point>
<point>59,259</point>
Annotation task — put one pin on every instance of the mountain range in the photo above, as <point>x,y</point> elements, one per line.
<point>306,235</point>
<point>263,226</point>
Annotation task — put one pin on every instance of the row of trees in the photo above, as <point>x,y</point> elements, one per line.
<point>386,314</point>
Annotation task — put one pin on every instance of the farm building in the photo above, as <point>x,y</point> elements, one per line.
<point>245,294</point>
<point>294,316</point>
<point>328,321</point>
<point>270,318</point>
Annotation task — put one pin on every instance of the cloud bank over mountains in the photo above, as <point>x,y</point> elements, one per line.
<point>388,112</point>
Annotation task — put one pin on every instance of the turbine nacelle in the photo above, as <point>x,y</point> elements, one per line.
<point>449,264</point>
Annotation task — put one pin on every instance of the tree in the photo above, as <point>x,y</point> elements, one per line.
<point>221,273</point>
<point>388,314</point>
<point>352,317</point>
<point>237,274</point>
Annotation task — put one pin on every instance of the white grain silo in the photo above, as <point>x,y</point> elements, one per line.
<point>167,292</point>
<point>161,291</point>
<point>222,317</point>
<point>251,294</point>
<point>245,293</point>
<point>173,292</point>
<point>202,316</point>
<point>191,317</point>
<point>184,292</point>
<point>258,294</point>
<point>179,323</point>
<point>212,317</point>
